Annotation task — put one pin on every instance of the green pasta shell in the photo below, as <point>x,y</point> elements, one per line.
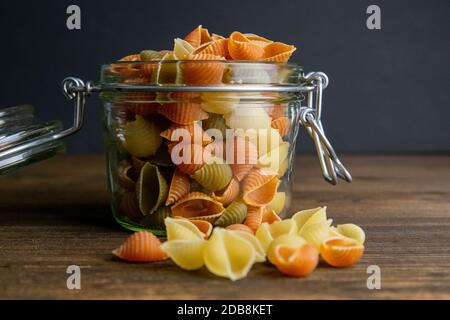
<point>235,213</point>
<point>214,176</point>
<point>151,189</point>
<point>215,121</point>
<point>156,220</point>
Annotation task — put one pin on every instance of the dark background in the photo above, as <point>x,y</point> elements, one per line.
<point>389,90</point>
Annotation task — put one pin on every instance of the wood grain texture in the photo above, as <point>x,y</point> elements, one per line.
<point>57,213</point>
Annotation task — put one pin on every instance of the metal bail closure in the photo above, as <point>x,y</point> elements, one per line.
<point>24,140</point>
<point>332,168</point>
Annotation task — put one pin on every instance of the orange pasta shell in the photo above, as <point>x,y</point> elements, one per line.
<point>278,52</point>
<point>241,48</point>
<point>296,261</point>
<point>217,47</point>
<point>254,218</point>
<point>197,205</point>
<point>179,187</point>
<point>339,252</point>
<point>142,246</point>
<point>230,193</point>
<point>259,187</point>
<point>269,215</point>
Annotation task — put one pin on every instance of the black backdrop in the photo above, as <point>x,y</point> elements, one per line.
<point>389,88</point>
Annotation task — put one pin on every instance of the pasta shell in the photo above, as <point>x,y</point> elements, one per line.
<point>279,228</point>
<point>270,216</point>
<point>129,206</point>
<point>167,71</point>
<point>230,193</point>
<point>142,246</point>
<point>142,109</point>
<point>310,216</point>
<point>126,176</point>
<point>142,137</point>
<point>183,113</point>
<point>214,176</point>
<point>254,218</point>
<point>235,213</point>
<point>228,255</point>
<point>278,52</point>
<point>149,68</point>
<point>187,254</point>
<point>215,124</point>
<point>339,252</point>
<point>151,189</point>
<point>260,254</point>
<point>197,205</point>
<point>278,202</point>
<point>288,240</point>
<point>352,231</point>
<point>217,47</point>
<point>276,160</point>
<point>203,72</point>
<point>198,36</point>
<point>248,117</point>
<point>150,55</point>
<point>179,187</point>
<point>194,130</point>
<point>241,48</point>
<point>219,102</point>
<point>259,188</point>
<point>156,219</point>
<point>239,227</point>
<point>282,124</point>
<point>182,229</point>
<point>182,49</point>
<point>315,233</point>
<point>296,261</point>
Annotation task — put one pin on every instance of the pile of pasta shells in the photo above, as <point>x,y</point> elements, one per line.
<point>294,246</point>
<point>220,191</point>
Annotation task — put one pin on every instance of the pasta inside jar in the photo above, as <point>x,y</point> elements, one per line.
<point>209,154</point>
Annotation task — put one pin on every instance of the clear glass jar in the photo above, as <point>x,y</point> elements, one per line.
<point>141,130</point>
<point>208,140</point>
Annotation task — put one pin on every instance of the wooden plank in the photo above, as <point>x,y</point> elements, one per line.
<point>57,213</point>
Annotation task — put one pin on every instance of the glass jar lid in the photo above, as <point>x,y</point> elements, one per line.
<point>24,140</point>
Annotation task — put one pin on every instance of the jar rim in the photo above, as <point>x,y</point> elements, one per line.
<point>237,62</point>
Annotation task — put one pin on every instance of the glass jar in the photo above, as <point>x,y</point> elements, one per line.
<point>198,139</point>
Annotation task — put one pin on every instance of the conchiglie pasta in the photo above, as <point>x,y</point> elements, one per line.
<point>278,52</point>
<point>179,187</point>
<point>254,218</point>
<point>315,233</point>
<point>214,176</point>
<point>197,205</point>
<point>182,49</point>
<point>278,202</point>
<point>229,255</point>
<point>235,213</point>
<point>259,188</point>
<point>187,254</point>
<point>203,72</point>
<point>248,118</point>
<point>142,137</point>
<point>241,48</point>
<point>142,246</point>
<point>219,102</point>
<point>151,189</point>
<point>230,193</point>
<point>182,229</point>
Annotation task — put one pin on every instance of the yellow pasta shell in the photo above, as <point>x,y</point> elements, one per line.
<point>260,254</point>
<point>310,216</point>
<point>187,254</point>
<point>182,49</point>
<point>248,117</point>
<point>228,255</point>
<point>142,137</point>
<point>219,102</point>
<point>352,231</point>
<point>151,189</point>
<point>181,229</point>
<point>214,176</point>
<point>279,228</point>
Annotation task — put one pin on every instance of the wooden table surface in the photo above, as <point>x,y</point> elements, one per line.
<point>56,214</point>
